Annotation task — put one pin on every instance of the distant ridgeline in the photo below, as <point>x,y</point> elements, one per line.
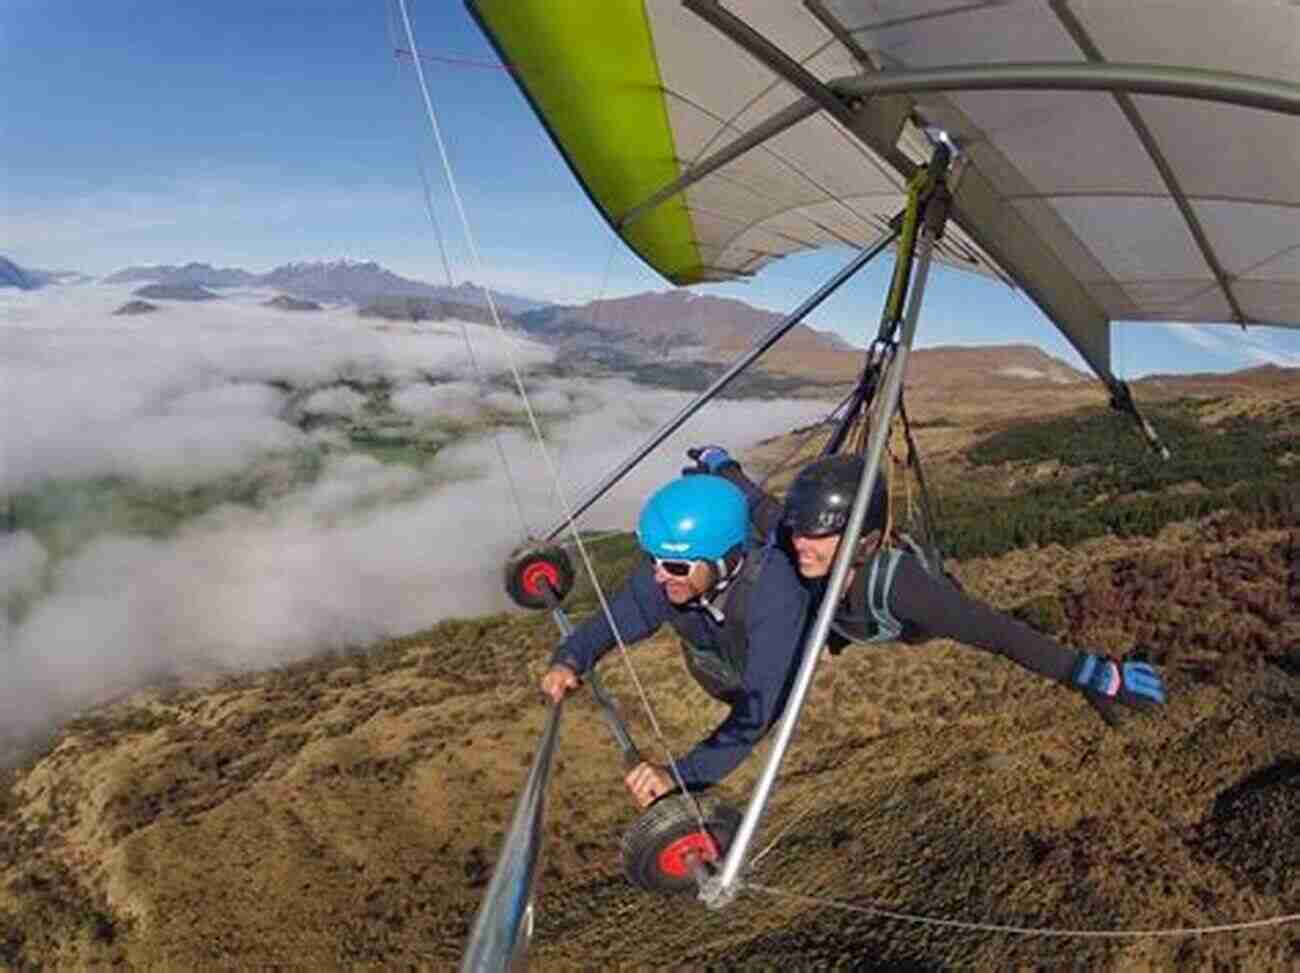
<point>427,309</point>
<point>30,279</point>
<point>176,292</point>
<point>132,308</point>
<point>286,303</point>
<point>1071,478</point>
<point>11,275</point>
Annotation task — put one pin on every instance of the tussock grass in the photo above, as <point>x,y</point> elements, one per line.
<point>347,810</point>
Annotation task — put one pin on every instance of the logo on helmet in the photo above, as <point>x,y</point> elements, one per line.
<point>829,520</point>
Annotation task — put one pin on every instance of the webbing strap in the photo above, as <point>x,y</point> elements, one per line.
<point>880,581</point>
<point>879,584</point>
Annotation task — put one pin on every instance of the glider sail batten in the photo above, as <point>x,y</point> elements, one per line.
<point>591,74</point>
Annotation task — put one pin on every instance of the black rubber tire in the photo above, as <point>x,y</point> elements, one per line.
<point>670,820</point>
<point>528,563</point>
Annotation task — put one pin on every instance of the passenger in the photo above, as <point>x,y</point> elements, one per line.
<point>893,594</point>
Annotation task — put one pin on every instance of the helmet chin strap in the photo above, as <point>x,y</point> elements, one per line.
<point>725,568</point>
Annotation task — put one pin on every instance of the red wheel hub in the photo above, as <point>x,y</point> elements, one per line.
<point>537,572</point>
<point>675,859</point>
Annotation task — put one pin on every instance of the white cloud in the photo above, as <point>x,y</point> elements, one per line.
<point>334,402</point>
<point>22,564</point>
<point>1263,352</point>
<point>1237,349</point>
<point>363,551</point>
<point>182,394</point>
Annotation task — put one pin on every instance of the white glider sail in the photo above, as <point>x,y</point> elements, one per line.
<point>1135,161</point>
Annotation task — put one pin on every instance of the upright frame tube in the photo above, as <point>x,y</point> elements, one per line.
<point>721,889</point>
<point>671,426</point>
<point>504,924</point>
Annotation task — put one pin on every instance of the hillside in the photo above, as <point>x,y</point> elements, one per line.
<point>682,326</point>
<point>347,811</point>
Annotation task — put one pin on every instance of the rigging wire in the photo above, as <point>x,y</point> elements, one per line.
<point>460,62</point>
<point>1026,930</point>
<point>532,417</point>
<point>805,437</point>
<point>600,538</point>
<point>480,376</point>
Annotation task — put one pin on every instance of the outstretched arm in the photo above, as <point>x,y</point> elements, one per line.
<point>764,509</point>
<point>939,610</point>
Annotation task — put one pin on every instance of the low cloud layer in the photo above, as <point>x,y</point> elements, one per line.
<point>195,395</point>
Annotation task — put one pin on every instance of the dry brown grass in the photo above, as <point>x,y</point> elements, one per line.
<point>347,812</point>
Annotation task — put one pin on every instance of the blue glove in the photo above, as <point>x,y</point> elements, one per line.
<point>708,459</point>
<point>1105,681</point>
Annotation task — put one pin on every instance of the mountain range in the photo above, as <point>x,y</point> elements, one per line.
<point>672,323</point>
<point>656,330</point>
<point>30,279</point>
<point>335,281</point>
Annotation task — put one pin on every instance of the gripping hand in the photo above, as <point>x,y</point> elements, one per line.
<point>1104,681</point>
<point>707,459</point>
<point>558,682</point>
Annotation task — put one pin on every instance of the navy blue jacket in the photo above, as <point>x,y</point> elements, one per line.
<point>774,620</point>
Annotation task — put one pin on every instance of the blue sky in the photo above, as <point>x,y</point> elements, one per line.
<point>254,133</point>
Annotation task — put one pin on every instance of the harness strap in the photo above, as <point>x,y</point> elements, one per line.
<point>879,585</point>
<point>720,670</point>
<point>875,614</point>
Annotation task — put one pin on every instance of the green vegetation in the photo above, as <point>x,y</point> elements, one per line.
<point>1069,479</point>
<point>686,376</point>
<point>751,385</point>
<point>66,514</point>
<point>415,309</point>
<point>613,558</point>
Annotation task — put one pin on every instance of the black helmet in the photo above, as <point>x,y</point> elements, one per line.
<point>821,497</point>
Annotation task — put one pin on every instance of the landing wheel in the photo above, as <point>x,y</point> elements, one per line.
<point>662,847</point>
<point>530,569</point>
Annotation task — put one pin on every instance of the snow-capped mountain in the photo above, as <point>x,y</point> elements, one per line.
<point>332,281</point>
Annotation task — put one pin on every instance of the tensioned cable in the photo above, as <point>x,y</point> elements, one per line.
<point>1281,920</point>
<point>480,377</point>
<point>804,438</point>
<point>600,538</point>
<point>460,62</point>
<point>528,408</point>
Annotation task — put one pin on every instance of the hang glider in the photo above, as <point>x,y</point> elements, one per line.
<point>1118,161</point>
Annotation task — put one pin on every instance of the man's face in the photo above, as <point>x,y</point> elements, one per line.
<point>679,590</point>
<point>815,554</point>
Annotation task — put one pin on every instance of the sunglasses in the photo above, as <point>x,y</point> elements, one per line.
<point>678,569</point>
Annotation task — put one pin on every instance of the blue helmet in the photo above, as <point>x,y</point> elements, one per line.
<point>698,517</point>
